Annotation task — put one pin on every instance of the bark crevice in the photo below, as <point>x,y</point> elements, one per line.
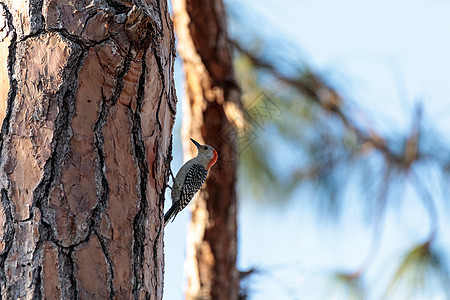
<point>12,82</point>
<point>9,230</point>
<point>119,6</point>
<point>37,19</point>
<point>139,155</point>
<point>163,82</point>
<point>161,199</point>
<point>8,238</point>
<point>68,281</point>
<point>110,265</point>
<point>60,146</point>
<point>103,189</point>
<point>37,276</point>
<point>61,139</point>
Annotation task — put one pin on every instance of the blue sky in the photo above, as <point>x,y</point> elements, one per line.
<point>392,50</point>
<point>385,56</point>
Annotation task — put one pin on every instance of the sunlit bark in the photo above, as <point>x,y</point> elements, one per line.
<point>87,108</point>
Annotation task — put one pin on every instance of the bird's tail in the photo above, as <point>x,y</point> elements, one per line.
<point>171,213</point>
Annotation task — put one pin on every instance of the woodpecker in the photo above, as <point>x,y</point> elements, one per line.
<point>190,179</point>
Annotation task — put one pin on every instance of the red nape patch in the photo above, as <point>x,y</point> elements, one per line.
<point>213,160</point>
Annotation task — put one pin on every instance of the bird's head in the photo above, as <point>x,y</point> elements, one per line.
<point>207,153</point>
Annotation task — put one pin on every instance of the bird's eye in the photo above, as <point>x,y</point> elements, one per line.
<point>205,148</point>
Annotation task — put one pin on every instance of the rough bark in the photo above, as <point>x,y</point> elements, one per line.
<point>87,106</point>
<point>213,99</point>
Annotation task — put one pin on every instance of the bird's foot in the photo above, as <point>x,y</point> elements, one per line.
<point>171,174</point>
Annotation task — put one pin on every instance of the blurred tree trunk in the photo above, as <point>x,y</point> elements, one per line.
<point>213,99</point>
<point>87,107</point>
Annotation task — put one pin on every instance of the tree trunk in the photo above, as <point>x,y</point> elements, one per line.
<point>87,105</point>
<point>213,99</point>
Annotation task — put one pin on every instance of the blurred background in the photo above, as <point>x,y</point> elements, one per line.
<point>343,167</point>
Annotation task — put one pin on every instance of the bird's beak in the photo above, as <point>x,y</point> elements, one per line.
<point>196,143</point>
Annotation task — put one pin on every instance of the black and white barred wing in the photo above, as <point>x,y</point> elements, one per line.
<point>194,180</point>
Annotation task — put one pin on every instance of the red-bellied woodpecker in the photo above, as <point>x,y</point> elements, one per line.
<point>190,179</point>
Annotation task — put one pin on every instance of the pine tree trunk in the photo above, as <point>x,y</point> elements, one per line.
<point>87,106</point>
<point>209,110</point>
